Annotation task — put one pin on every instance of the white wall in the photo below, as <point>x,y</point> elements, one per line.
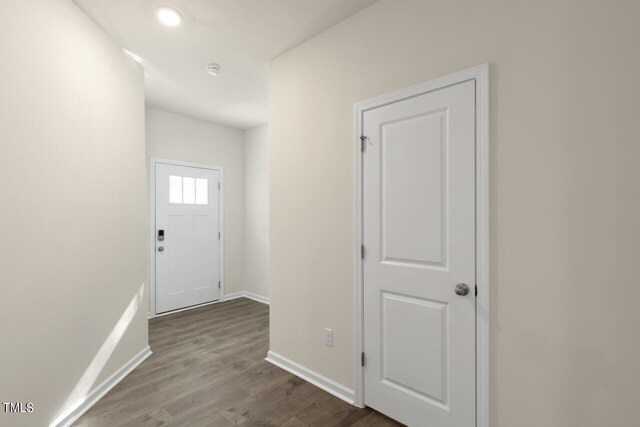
<point>177,137</point>
<point>73,252</point>
<point>564,188</point>
<point>256,202</point>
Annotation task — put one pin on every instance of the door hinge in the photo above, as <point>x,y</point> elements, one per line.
<point>363,142</point>
<point>218,186</point>
<point>218,235</point>
<point>476,286</point>
<point>362,251</point>
<point>218,284</point>
<point>362,359</point>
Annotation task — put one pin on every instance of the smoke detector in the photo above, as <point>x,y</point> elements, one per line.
<point>213,69</point>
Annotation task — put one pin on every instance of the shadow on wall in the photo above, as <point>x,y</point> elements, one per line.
<point>85,384</point>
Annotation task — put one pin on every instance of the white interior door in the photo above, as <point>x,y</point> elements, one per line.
<point>187,236</point>
<point>419,237</point>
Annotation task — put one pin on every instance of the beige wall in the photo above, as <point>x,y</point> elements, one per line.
<point>73,252</point>
<point>564,181</point>
<point>177,137</point>
<point>256,203</point>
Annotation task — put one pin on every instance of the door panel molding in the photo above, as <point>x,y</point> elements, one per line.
<point>479,74</point>
<point>153,161</point>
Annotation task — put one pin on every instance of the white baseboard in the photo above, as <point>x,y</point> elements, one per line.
<point>227,297</point>
<point>328,385</point>
<point>257,297</point>
<point>234,295</point>
<point>98,392</point>
<point>250,295</point>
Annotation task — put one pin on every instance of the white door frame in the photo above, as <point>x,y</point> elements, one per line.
<point>152,227</point>
<point>481,76</point>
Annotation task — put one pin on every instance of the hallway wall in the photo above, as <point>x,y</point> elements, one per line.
<point>564,191</point>
<point>73,253</point>
<point>256,229</point>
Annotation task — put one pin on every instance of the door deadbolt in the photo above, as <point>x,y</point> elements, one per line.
<point>160,248</point>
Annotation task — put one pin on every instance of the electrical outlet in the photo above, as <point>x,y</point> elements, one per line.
<point>328,337</point>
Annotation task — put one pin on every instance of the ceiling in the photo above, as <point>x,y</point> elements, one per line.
<point>240,35</point>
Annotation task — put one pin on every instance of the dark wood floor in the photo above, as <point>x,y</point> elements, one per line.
<point>208,369</point>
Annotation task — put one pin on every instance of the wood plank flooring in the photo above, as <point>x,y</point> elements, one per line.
<point>208,369</point>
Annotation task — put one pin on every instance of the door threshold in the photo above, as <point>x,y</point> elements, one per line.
<point>178,310</point>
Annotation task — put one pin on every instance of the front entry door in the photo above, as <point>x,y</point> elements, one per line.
<point>419,268</point>
<point>187,236</point>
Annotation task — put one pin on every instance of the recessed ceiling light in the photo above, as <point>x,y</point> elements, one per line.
<point>213,69</point>
<point>168,16</point>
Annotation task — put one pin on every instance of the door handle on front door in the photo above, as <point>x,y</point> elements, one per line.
<point>462,289</point>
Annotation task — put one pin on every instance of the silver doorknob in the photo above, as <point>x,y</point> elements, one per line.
<point>462,289</point>
<point>160,248</point>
